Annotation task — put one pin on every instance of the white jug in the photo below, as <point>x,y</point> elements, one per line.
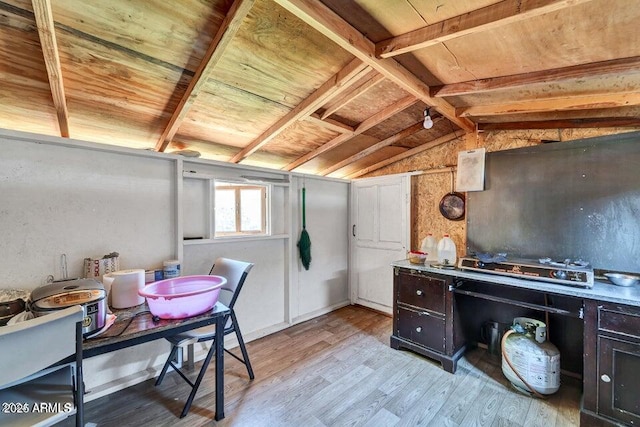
<point>124,286</point>
<point>446,251</point>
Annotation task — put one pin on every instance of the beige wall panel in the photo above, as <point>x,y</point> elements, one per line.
<point>278,57</point>
<point>176,31</point>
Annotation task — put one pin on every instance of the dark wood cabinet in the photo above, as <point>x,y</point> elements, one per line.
<point>612,386</point>
<point>424,316</point>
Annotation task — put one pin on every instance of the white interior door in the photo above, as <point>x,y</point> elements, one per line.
<point>380,210</point>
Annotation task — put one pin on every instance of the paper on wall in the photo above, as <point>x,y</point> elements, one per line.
<point>470,176</point>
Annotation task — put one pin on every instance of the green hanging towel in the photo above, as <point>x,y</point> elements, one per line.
<point>304,244</point>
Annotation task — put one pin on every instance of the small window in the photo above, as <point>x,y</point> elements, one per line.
<point>240,209</point>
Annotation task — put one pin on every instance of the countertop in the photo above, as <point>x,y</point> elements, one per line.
<point>602,290</point>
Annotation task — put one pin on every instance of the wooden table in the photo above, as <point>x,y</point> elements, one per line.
<point>136,326</point>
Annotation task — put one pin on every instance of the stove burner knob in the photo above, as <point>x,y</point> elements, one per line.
<point>560,274</point>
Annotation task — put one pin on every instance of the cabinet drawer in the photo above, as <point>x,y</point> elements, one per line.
<point>422,292</point>
<point>421,328</point>
<point>618,322</point>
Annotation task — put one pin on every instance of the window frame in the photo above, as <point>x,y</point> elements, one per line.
<point>265,196</point>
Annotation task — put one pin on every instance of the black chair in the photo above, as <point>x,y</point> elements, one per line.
<point>235,272</point>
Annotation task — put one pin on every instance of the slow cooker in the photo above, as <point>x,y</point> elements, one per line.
<point>88,293</point>
<point>12,302</point>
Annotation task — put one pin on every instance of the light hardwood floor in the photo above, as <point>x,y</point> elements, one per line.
<point>338,370</point>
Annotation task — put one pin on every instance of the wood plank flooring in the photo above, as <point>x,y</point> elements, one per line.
<point>338,370</point>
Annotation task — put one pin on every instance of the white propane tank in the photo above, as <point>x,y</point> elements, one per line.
<point>533,357</point>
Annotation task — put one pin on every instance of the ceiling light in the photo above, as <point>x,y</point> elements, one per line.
<point>428,123</point>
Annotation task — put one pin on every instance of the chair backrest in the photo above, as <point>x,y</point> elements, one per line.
<point>32,345</point>
<point>235,272</point>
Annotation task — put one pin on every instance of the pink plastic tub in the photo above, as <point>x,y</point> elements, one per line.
<point>182,297</point>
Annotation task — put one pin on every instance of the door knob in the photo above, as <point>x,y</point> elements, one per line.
<point>419,329</point>
<point>418,292</point>
<point>605,378</point>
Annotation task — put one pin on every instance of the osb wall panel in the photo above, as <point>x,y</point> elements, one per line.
<point>428,189</point>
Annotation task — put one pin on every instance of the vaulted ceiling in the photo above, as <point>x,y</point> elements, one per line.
<point>331,87</point>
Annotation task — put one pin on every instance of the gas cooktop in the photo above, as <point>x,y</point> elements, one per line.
<point>576,273</point>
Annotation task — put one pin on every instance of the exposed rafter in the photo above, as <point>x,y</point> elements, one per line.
<point>408,153</point>
<point>362,127</point>
<point>324,20</point>
<point>47,34</point>
<point>338,83</point>
<point>614,67</point>
<point>375,147</point>
<point>566,103</point>
<point>330,124</point>
<point>367,82</point>
<point>604,122</point>
<point>487,18</point>
<point>230,25</point>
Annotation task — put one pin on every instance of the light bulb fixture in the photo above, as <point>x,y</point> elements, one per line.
<point>428,123</point>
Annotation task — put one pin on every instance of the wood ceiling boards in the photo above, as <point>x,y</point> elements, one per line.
<point>331,87</point>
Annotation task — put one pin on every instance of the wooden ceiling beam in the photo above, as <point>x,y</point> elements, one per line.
<point>362,127</point>
<point>401,156</point>
<point>483,19</point>
<point>333,125</point>
<point>604,122</point>
<point>230,25</point>
<point>375,147</point>
<point>566,103</point>
<point>47,33</point>
<point>366,83</point>
<point>332,26</point>
<point>617,67</point>
<point>337,84</point>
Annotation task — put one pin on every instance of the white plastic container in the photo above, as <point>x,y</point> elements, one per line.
<point>171,269</point>
<point>430,247</point>
<point>446,251</point>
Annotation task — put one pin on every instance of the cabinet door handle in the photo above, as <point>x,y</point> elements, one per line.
<point>419,329</point>
<point>418,292</point>
<point>606,378</point>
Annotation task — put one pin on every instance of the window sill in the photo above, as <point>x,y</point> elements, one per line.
<point>233,239</point>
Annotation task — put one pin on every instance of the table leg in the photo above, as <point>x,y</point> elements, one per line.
<point>219,343</point>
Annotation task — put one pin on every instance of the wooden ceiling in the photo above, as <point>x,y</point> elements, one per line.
<point>331,87</point>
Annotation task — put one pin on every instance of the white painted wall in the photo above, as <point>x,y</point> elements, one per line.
<point>322,285</point>
<point>85,200</point>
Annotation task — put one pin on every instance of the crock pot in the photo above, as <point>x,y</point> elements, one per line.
<point>88,293</point>
<point>12,302</point>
